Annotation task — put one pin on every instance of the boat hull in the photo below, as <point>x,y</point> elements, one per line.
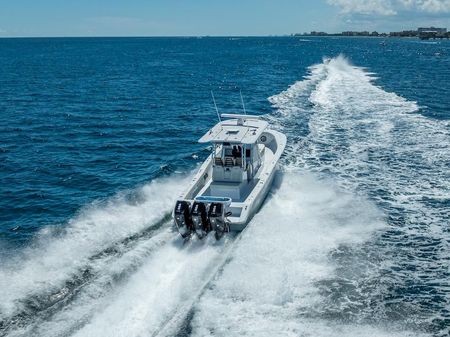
<point>246,196</point>
<point>255,207</point>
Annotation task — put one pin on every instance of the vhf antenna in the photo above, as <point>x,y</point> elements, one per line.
<point>215,105</point>
<point>242,101</point>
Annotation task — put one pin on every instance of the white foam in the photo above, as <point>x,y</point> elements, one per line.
<point>272,276</point>
<point>375,143</point>
<point>170,279</point>
<point>292,100</point>
<point>54,258</point>
<point>364,136</point>
<point>109,272</point>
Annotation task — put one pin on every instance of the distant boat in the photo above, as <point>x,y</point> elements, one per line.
<point>234,180</point>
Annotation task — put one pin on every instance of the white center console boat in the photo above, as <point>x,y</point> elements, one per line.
<point>232,183</point>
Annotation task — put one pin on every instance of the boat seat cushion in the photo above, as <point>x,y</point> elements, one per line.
<point>229,161</point>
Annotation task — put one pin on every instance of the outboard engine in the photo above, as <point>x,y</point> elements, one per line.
<point>200,219</point>
<point>216,217</point>
<point>183,220</point>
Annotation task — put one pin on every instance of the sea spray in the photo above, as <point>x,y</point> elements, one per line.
<point>57,256</point>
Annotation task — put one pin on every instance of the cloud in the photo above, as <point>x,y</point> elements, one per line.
<point>380,7</point>
<point>429,6</point>
<point>391,7</point>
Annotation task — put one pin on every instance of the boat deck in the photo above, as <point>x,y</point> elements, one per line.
<point>238,191</point>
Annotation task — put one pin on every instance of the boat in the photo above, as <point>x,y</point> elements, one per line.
<point>232,183</point>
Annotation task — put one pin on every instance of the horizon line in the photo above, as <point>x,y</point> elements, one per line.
<point>175,36</point>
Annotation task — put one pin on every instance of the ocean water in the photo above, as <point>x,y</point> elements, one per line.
<point>99,135</point>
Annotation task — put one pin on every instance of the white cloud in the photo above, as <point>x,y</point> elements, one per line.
<point>430,6</point>
<point>390,7</point>
<point>380,7</point>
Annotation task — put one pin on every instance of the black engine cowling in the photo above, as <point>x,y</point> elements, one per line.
<point>183,220</point>
<point>200,219</point>
<point>216,215</point>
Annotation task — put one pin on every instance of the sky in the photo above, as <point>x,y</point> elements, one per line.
<point>215,18</point>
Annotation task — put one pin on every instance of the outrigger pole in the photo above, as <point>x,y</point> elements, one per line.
<point>215,105</point>
<point>242,101</point>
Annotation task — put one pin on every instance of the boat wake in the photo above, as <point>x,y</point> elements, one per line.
<point>270,286</point>
<point>108,259</point>
<point>353,224</point>
<point>376,144</point>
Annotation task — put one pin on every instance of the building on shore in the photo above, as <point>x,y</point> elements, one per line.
<point>423,33</point>
<point>426,33</point>
<point>404,33</point>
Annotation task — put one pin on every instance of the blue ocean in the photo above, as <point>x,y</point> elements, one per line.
<point>98,137</point>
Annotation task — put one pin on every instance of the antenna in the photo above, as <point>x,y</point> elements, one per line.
<point>215,105</point>
<point>242,101</point>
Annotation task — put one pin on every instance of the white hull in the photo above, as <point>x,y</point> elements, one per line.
<point>247,195</point>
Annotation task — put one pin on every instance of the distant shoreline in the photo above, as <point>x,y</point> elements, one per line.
<point>423,33</point>
<point>220,36</point>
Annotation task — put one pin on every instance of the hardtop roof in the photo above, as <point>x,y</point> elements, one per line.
<point>242,131</point>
